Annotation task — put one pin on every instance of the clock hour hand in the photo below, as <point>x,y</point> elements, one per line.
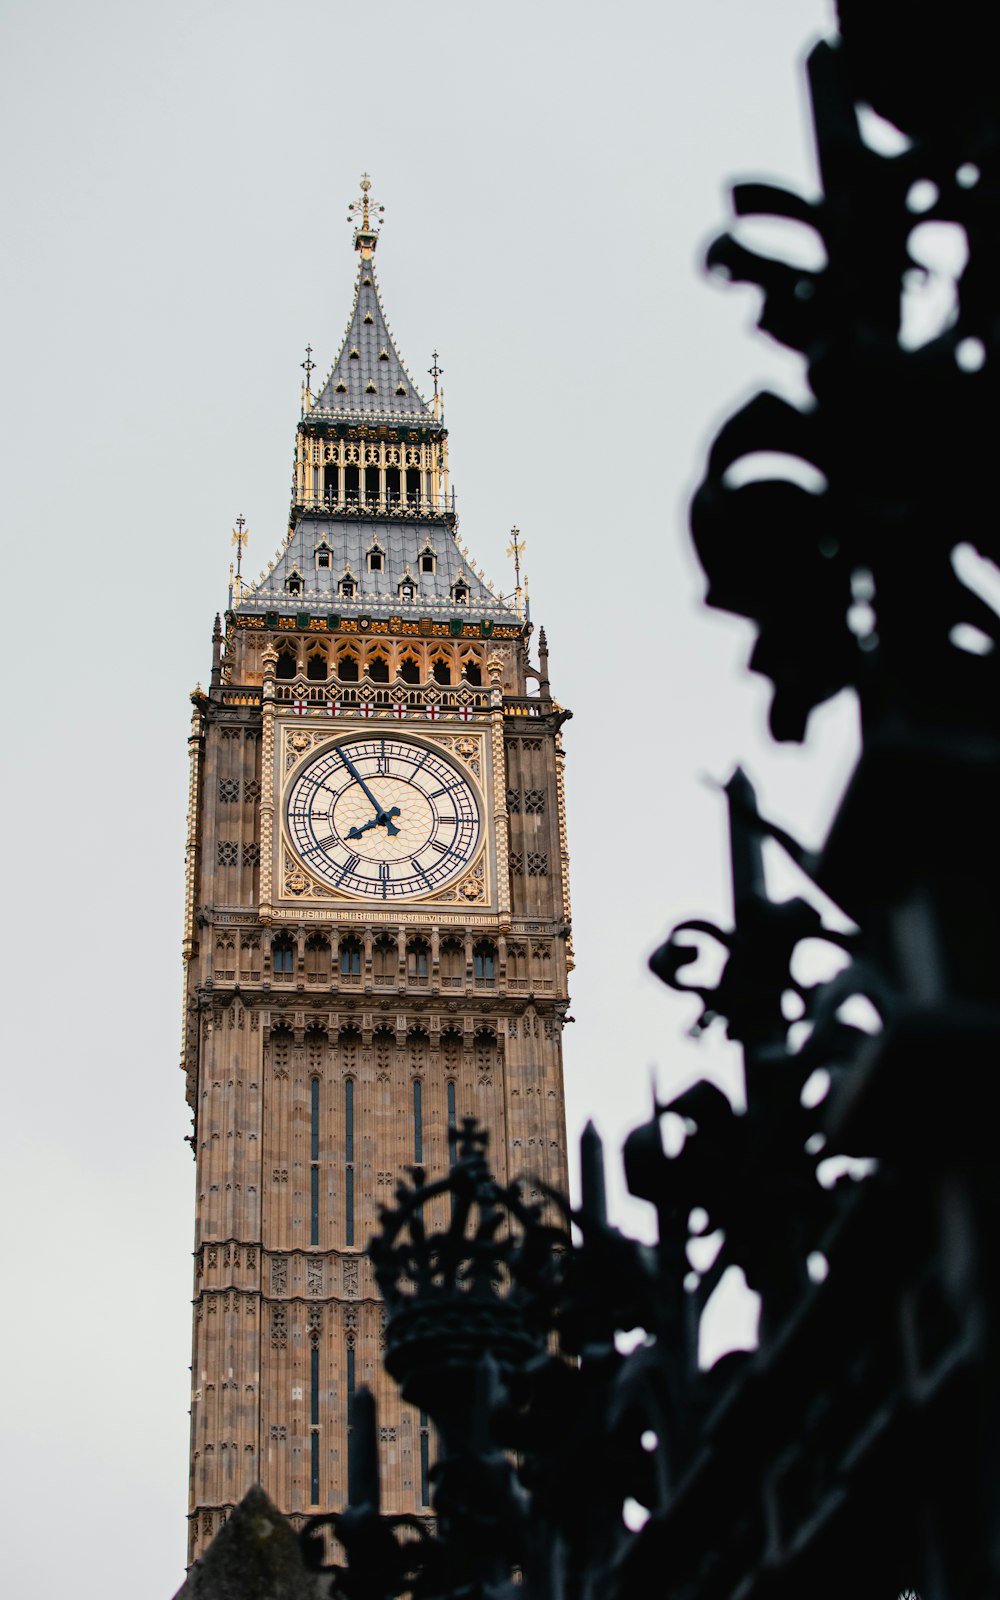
<point>383,817</point>
<point>380,815</point>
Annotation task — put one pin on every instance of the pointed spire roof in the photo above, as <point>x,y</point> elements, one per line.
<point>368,378</point>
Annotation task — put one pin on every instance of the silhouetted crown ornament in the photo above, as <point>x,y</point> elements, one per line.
<point>482,1284</point>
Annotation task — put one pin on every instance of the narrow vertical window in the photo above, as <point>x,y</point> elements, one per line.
<point>452,1127</point>
<point>314,1423</point>
<point>425,1460</point>
<point>418,1120</point>
<point>314,1166</point>
<point>314,1387</point>
<point>452,1139</point>
<point>349,1164</point>
<point>350,1407</point>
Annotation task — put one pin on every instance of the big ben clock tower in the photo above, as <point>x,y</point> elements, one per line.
<point>376,927</point>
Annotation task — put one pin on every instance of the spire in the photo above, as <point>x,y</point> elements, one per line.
<point>372,522</point>
<point>368,379</point>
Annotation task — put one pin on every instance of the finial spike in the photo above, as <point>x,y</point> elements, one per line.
<point>516,550</point>
<point>239,540</point>
<point>308,366</point>
<point>434,371</point>
<point>371,214</point>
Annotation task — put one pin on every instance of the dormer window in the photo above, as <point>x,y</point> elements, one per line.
<point>428,560</point>
<point>400,388</point>
<point>293,583</point>
<point>369,317</point>
<point>323,555</point>
<point>354,355</point>
<point>407,590</point>
<point>460,592</point>
<point>383,354</point>
<point>347,588</point>
<point>341,387</point>
<point>370,388</point>
<point>376,560</point>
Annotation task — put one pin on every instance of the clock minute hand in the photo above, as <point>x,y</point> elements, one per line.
<point>381,815</point>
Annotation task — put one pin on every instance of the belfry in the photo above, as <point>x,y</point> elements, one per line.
<point>377,926</point>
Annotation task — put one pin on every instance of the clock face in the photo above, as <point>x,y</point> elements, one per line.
<point>384,818</point>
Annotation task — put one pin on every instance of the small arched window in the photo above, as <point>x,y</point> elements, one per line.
<point>385,959</point>
<point>318,958</point>
<point>347,667</point>
<point>484,962</point>
<point>417,960</point>
<point>316,667</point>
<point>378,668</point>
<point>287,662</point>
<point>452,961</point>
<point>442,671</point>
<point>283,955</point>
<point>472,673</point>
<point>409,669</point>
<point>350,958</point>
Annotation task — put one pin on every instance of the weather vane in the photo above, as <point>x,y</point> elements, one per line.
<point>239,540</point>
<point>516,550</point>
<point>371,214</point>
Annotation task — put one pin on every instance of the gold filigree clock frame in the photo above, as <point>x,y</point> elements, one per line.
<point>294,892</point>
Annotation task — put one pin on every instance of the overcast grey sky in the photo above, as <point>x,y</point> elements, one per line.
<point>176,181</point>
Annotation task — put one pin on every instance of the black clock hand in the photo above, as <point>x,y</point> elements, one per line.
<point>383,817</point>
<point>380,814</point>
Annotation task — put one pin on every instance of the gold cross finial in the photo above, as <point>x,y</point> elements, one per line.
<point>367,214</point>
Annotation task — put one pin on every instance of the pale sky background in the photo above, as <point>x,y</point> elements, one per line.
<point>176,182</point>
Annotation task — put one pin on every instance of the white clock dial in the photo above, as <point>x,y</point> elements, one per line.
<point>383,818</point>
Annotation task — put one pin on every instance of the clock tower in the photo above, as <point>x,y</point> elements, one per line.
<point>377,935</point>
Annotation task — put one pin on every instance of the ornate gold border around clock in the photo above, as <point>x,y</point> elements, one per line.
<point>297,741</point>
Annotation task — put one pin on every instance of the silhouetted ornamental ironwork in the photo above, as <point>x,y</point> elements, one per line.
<point>584,1448</point>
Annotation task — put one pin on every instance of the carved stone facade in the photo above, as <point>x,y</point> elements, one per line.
<point>336,1035</point>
